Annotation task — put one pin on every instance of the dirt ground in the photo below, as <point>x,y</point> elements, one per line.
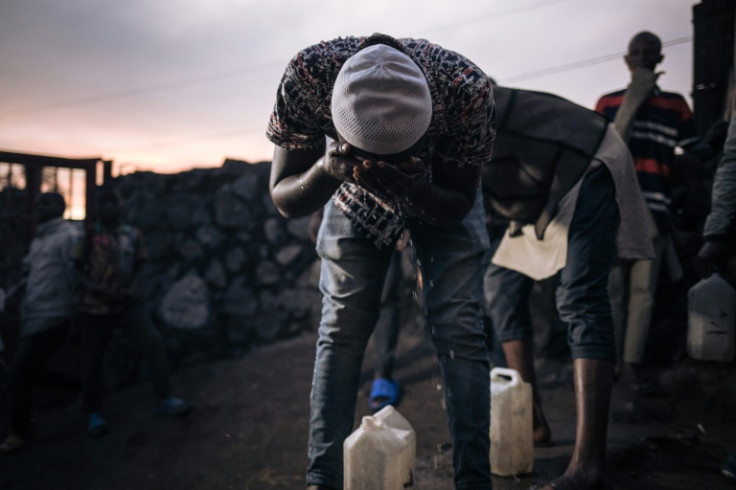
<point>248,429</point>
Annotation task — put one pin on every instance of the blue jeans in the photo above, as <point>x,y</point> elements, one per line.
<point>452,260</point>
<point>582,297</point>
<point>386,334</point>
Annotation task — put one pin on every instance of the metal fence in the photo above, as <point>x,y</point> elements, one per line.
<point>22,178</point>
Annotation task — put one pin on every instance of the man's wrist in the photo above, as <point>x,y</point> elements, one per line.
<point>321,165</point>
<point>321,170</point>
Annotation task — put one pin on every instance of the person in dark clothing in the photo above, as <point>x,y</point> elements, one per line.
<point>559,175</point>
<point>653,123</point>
<point>718,251</point>
<point>108,264</point>
<point>45,316</point>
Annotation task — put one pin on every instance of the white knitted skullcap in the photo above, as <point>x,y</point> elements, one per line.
<point>381,101</point>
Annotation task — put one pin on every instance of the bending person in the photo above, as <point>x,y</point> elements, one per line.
<point>412,125</point>
<point>560,172</point>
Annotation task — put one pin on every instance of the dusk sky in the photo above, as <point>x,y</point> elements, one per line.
<point>169,85</point>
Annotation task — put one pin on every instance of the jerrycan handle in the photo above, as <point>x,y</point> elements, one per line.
<point>370,423</point>
<point>501,372</point>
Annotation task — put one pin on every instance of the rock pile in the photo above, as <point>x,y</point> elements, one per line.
<point>226,270</point>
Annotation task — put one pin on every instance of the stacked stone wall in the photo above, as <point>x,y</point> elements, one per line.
<point>226,271</point>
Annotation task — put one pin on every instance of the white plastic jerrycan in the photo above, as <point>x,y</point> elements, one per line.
<point>380,454</point>
<point>711,321</point>
<point>512,439</point>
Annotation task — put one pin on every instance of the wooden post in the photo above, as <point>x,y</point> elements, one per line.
<point>33,189</point>
<point>89,191</point>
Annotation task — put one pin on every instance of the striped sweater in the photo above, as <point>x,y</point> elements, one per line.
<point>662,123</point>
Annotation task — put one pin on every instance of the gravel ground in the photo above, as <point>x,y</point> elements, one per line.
<point>248,429</point>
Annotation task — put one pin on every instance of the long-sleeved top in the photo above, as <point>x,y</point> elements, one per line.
<point>721,222</point>
<point>49,276</point>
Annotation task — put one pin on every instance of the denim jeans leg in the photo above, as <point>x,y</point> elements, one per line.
<point>507,295</point>
<point>29,369</point>
<point>352,276</point>
<point>386,333</point>
<point>96,332</point>
<point>453,259</point>
<point>582,297</point>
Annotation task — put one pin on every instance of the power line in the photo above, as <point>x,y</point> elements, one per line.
<point>124,94</point>
<point>515,78</point>
<point>584,63</point>
<point>177,141</point>
<point>496,15</point>
<point>162,87</point>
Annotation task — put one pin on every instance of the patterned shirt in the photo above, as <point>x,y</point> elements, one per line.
<point>461,132</point>
<point>111,260</point>
<point>662,123</point>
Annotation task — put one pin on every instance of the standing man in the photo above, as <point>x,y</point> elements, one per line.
<point>108,264</point>
<point>653,123</point>
<point>46,307</point>
<point>411,124</point>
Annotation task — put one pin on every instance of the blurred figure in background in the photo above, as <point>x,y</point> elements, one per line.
<point>719,250</point>
<point>108,262</point>
<point>45,295</point>
<point>653,123</point>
